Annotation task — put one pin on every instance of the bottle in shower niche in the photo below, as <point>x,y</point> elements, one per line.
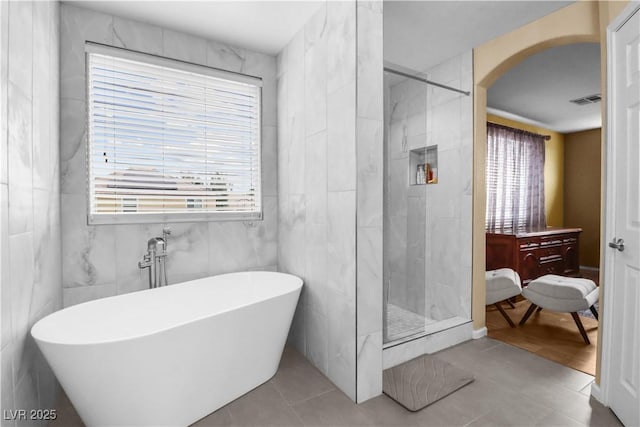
<point>420,175</point>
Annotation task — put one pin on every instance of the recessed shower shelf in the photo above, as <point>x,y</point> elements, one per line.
<point>423,165</point>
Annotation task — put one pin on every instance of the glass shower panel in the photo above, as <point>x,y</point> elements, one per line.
<point>404,207</point>
<point>422,292</point>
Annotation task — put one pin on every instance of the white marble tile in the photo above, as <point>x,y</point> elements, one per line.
<point>296,117</point>
<point>54,95</point>
<point>370,61</point>
<point>369,280</point>
<point>283,135</point>
<point>21,46</point>
<point>315,258</point>
<point>297,219</point>
<point>373,5</point>
<point>341,143</point>
<point>48,386</point>
<point>370,171</point>
<point>7,384</point>
<point>188,251</point>
<point>239,246</point>
<point>341,244</point>
<point>446,124</point>
<point>445,260</point>
<point>369,366</point>
<point>316,169</point>
<point>5,291</point>
<point>398,140</point>
<point>4,63</point>
<point>46,244</point>
<point>73,147</point>
<point>466,230</point>
<point>20,158</point>
<point>184,47</point>
<point>341,44</point>
<point>296,336</point>
<point>88,252</point>
<point>21,258</point>
<point>445,197</point>
<point>139,36</point>
<point>317,339</point>
<point>80,294</point>
<point>397,242</point>
<point>315,77</point>
<point>226,57</point>
<point>131,245</point>
<point>45,104</point>
<point>78,25</point>
<point>342,344</point>
<point>269,161</point>
<point>26,392</point>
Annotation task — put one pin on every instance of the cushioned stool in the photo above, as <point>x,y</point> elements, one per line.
<point>563,294</point>
<point>502,284</point>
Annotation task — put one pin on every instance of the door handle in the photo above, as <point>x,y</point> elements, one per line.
<point>617,244</point>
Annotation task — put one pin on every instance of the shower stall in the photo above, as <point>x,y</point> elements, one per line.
<point>427,203</point>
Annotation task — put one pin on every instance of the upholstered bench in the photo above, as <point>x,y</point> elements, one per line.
<point>502,284</point>
<point>563,294</point>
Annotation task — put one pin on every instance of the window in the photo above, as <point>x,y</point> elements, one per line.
<point>170,141</point>
<point>515,179</point>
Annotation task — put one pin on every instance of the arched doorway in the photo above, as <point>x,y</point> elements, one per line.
<point>577,23</point>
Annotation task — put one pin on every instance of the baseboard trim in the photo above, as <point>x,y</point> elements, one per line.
<point>479,333</point>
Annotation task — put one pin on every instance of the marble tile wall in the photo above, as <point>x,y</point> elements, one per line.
<point>317,187</point>
<point>449,216</point>
<point>369,185</point>
<point>99,261</point>
<point>427,254</point>
<point>30,243</point>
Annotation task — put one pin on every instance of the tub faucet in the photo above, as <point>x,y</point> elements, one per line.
<point>155,259</point>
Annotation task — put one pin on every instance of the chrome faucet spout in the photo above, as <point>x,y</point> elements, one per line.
<point>154,260</point>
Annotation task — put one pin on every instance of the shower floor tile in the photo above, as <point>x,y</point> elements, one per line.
<point>403,323</point>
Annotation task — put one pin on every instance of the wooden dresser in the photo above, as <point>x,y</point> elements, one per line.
<point>534,253</point>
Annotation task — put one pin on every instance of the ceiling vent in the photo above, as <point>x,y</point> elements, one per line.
<point>591,99</point>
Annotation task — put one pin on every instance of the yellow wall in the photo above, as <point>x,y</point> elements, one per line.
<point>582,191</point>
<point>553,168</point>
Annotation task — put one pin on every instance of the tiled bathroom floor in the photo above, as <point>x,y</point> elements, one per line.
<point>512,388</point>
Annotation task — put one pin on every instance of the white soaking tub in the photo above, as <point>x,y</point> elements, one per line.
<point>171,355</point>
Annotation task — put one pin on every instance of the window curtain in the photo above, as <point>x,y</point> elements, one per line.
<point>515,179</point>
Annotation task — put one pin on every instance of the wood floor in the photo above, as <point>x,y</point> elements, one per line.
<point>548,334</point>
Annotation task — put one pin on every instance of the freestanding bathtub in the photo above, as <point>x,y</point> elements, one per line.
<point>169,356</point>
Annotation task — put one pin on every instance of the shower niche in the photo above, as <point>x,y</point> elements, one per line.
<point>423,165</point>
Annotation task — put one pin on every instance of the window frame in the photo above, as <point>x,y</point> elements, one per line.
<point>172,217</point>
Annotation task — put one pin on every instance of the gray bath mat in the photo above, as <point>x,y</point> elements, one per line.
<point>423,381</point>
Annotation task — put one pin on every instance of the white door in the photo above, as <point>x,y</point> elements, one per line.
<point>622,285</point>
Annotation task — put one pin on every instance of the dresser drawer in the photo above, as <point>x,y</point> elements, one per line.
<point>529,244</point>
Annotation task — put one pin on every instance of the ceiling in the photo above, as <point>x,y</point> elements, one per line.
<point>421,34</point>
<point>538,90</point>
<point>263,26</point>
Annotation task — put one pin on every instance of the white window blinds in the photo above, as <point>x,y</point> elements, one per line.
<point>170,140</point>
